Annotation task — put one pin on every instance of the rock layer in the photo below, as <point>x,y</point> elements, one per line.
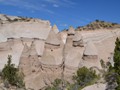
<point>43,54</point>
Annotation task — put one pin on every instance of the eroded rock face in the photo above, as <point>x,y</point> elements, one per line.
<point>35,28</point>
<point>43,54</point>
<point>90,52</point>
<point>78,40</point>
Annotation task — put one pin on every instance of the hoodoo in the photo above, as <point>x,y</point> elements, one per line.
<point>53,50</point>
<point>90,52</point>
<point>24,63</point>
<point>78,40</point>
<point>55,28</point>
<point>71,31</point>
<point>52,39</point>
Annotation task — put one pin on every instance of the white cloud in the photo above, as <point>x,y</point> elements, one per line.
<point>26,5</point>
<point>55,5</point>
<point>52,1</point>
<point>69,2</point>
<point>64,3</point>
<point>19,12</point>
<point>42,5</point>
<point>32,11</point>
<point>64,25</point>
<point>1,0</point>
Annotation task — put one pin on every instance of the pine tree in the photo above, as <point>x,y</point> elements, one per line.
<point>117,62</point>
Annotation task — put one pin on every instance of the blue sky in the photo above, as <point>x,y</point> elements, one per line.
<point>64,13</point>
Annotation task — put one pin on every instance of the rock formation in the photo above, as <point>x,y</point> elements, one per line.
<point>44,54</point>
<point>77,40</point>
<point>71,31</point>
<point>55,29</point>
<point>90,53</point>
<point>98,24</point>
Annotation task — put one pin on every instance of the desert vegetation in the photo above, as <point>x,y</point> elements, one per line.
<point>112,75</point>
<point>10,75</point>
<point>84,77</point>
<point>98,24</point>
<point>116,67</point>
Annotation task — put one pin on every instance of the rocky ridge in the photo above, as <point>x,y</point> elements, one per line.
<point>98,24</point>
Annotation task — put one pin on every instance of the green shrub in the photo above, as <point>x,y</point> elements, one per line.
<point>56,85</point>
<point>57,82</point>
<point>11,74</point>
<point>85,77</point>
<point>102,64</point>
<point>97,20</point>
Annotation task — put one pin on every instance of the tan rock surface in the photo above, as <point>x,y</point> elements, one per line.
<point>90,49</point>
<point>44,54</point>
<point>71,31</point>
<point>55,29</point>
<point>95,87</point>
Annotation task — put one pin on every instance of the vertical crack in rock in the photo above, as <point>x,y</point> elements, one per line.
<point>63,67</point>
